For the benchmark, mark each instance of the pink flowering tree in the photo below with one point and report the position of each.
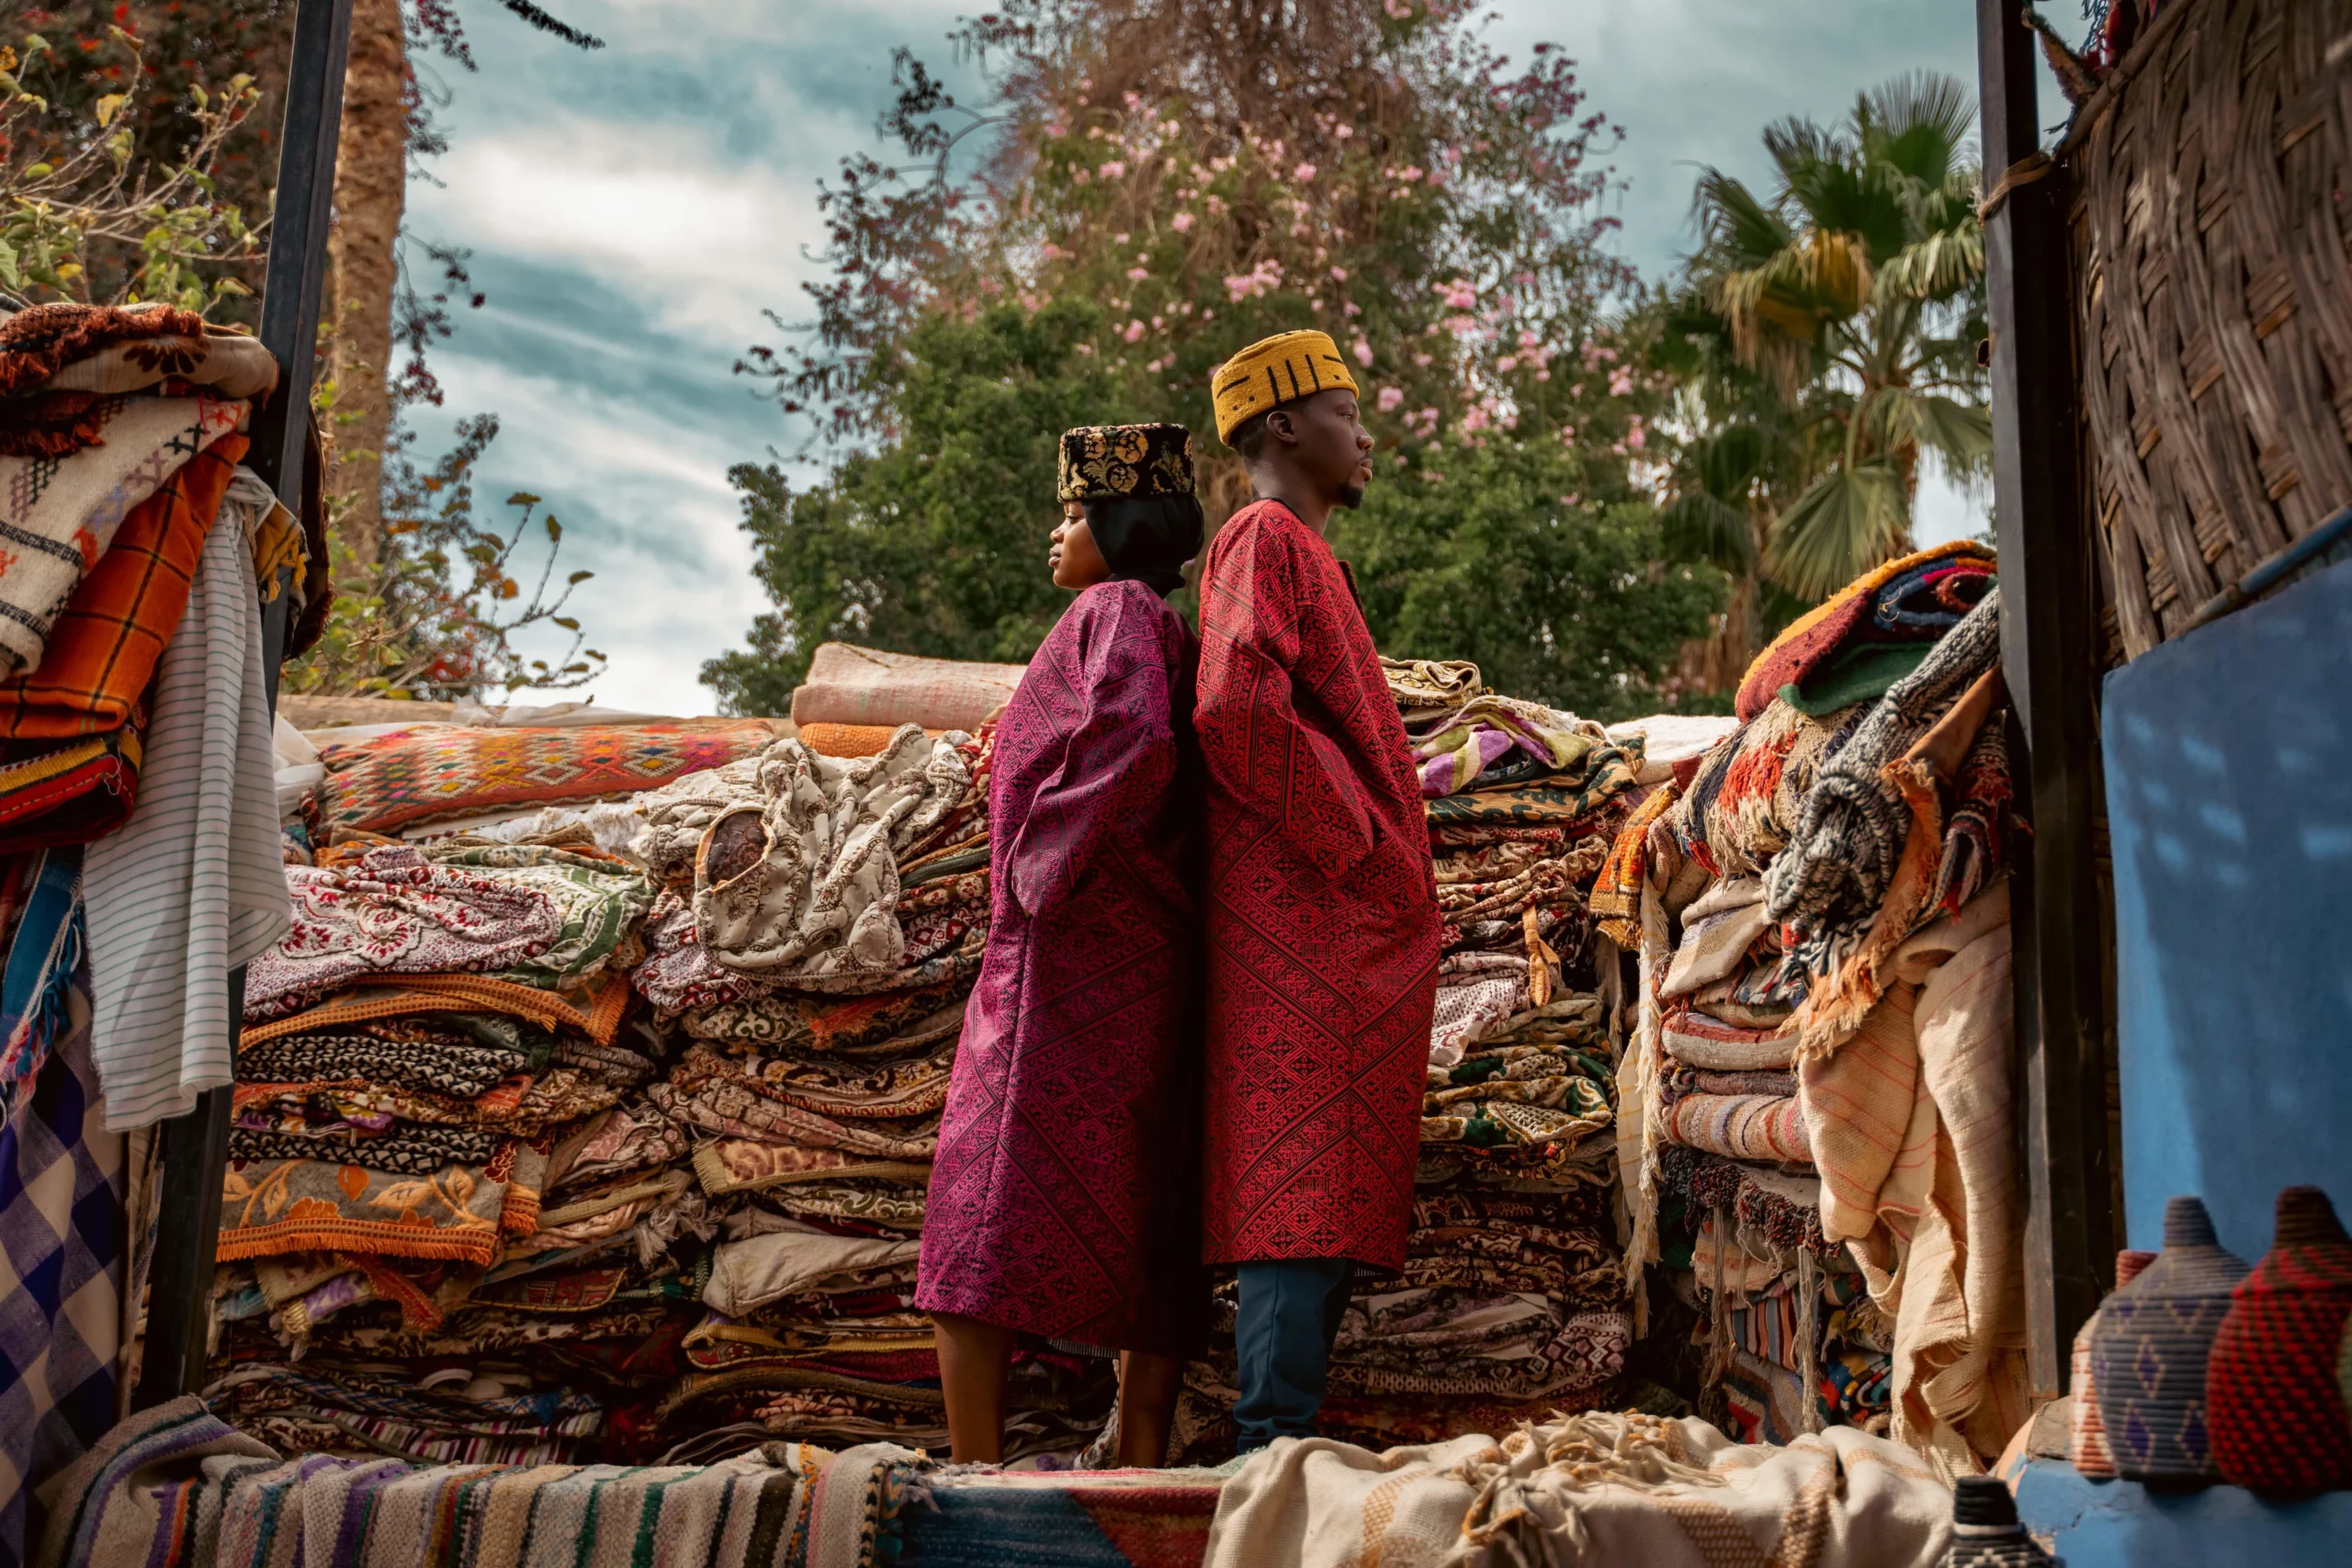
(1171, 181)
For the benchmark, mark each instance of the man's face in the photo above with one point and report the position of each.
(1332, 444)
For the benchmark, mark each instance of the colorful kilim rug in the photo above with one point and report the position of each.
(415, 775)
(1113, 1519)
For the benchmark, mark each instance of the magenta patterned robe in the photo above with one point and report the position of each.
(1064, 1201)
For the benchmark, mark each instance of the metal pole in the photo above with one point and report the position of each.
(194, 1147)
(2049, 654)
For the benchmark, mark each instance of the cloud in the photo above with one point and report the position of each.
(632, 211)
(702, 247)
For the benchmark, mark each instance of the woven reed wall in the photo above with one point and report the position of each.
(2214, 301)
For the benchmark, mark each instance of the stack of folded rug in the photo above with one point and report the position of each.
(1814, 1067)
(592, 1123)
(138, 554)
(1509, 1301)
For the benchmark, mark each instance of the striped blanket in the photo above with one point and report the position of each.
(172, 1487)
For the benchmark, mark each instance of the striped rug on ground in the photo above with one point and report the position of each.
(174, 1487)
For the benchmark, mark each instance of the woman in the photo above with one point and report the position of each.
(1063, 1202)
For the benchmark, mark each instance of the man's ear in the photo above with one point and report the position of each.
(1280, 426)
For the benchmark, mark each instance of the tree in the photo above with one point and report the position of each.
(87, 215)
(1200, 175)
(1826, 336)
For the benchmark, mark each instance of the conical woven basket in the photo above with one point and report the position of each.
(2086, 1433)
(2278, 1411)
(2149, 1352)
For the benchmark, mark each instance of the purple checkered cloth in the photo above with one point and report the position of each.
(61, 1251)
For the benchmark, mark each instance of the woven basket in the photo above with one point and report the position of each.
(2213, 300)
(2149, 1351)
(2280, 1419)
(2086, 1433)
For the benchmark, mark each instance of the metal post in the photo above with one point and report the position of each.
(2049, 653)
(194, 1147)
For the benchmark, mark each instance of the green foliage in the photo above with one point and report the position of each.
(1165, 183)
(1825, 338)
(1555, 595)
(85, 216)
(437, 616)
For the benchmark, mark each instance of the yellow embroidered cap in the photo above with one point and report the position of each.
(1278, 369)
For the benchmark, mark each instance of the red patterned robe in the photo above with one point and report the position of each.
(1064, 1199)
(1322, 910)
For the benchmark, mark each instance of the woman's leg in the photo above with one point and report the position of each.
(1149, 1383)
(973, 1358)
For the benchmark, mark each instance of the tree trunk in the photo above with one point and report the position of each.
(1716, 663)
(370, 188)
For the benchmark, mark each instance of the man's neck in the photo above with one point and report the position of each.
(1311, 509)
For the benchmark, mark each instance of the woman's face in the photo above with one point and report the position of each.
(1076, 563)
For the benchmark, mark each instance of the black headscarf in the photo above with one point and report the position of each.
(1147, 538)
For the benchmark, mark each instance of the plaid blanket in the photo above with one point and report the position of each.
(104, 643)
(62, 1242)
(58, 515)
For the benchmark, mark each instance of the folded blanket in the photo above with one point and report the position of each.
(1625, 1488)
(1697, 1040)
(1825, 886)
(127, 348)
(848, 685)
(84, 655)
(1472, 1006)
(60, 514)
(1768, 1129)
(1737, 1083)
(1471, 738)
(1861, 672)
(1745, 796)
(1616, 896)
(718, 1098)
(54, 793)
(594, 1008)
(1428, 689)
(397, 913)
(272, 1206)
(442, 771)
(1609, 772)
(1718, 929)
(1779, 1206)
(597, 898)
(1812, 636)
(452, 1066)
(412, 1151)
(892, 1088)
(175, 1487)
(748, 1275)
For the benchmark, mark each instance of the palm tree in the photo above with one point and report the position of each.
(1831, 331)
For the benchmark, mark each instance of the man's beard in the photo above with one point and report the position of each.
(1352, 497)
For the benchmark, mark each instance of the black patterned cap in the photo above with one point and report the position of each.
(1101, 461)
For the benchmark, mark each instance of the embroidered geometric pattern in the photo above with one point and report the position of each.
(1061, 1199)
(1322, 918)
(383, 786)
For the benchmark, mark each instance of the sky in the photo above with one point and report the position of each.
(631, 212)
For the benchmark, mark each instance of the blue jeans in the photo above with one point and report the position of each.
(1290, 1312)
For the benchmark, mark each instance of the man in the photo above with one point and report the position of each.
(1322, 921)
